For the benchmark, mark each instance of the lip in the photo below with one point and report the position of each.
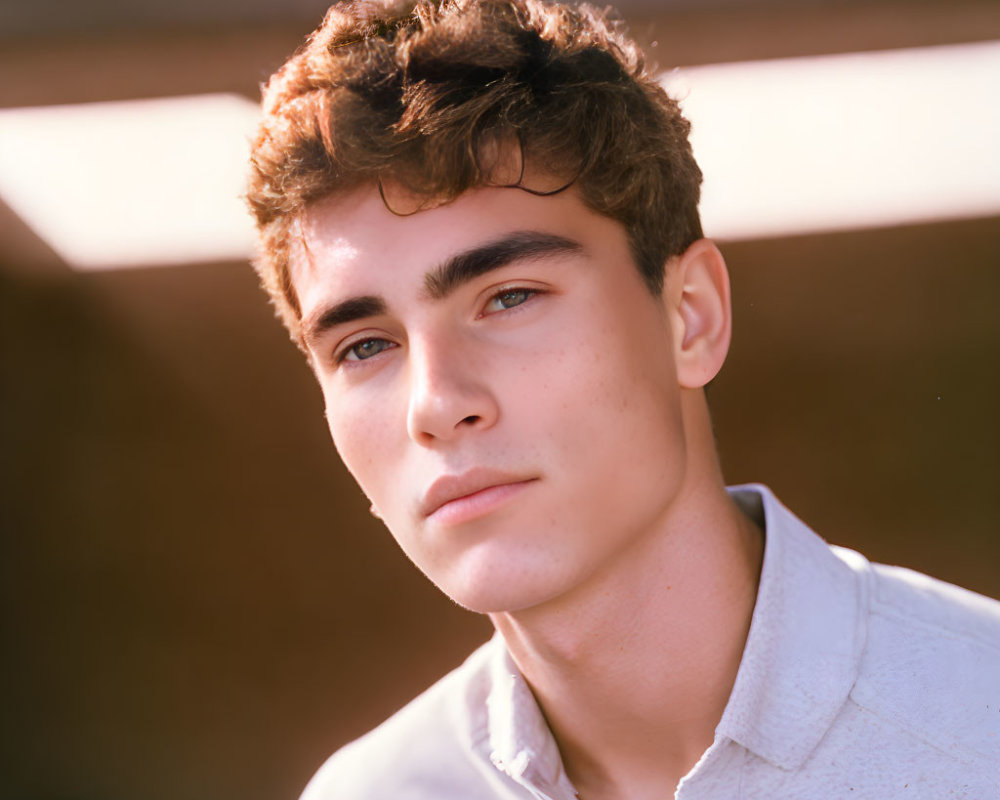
(456, 498)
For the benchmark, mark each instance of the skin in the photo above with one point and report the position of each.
(535, 437)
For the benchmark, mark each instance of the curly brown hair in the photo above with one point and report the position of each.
(415, 94)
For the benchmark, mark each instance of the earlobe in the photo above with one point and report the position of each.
(698, 290)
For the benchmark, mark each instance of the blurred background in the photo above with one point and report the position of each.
(195, 601)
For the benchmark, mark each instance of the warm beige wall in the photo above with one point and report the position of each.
(196, 602)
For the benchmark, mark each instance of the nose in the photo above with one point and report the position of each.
(449, 395)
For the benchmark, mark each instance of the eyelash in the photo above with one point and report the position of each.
(343, 355)
(509, 290)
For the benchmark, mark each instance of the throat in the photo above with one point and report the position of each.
(633, 682)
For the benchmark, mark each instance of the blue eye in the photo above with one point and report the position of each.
(365, 349)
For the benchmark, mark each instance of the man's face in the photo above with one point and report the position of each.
(500, 382)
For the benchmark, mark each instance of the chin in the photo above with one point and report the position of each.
(495, 591)
(490, 603)
(485, 596)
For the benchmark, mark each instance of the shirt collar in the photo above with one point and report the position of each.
(521, 744)
(799, 664)
(807, 634)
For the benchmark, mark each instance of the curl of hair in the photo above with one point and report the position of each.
(415, 93)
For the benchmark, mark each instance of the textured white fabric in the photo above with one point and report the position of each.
(857, 681)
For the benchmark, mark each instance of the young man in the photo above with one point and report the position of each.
(479, 221)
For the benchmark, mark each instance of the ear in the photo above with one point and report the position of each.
(697, 290)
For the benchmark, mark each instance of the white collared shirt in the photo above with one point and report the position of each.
(857, 681)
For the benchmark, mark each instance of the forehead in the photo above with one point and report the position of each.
(352, 244)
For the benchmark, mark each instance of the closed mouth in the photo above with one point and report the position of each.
(475, 486)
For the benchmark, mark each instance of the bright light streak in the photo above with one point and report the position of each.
(128, 184)
(847, 141)
(787, 146)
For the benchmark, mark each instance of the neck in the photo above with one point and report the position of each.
(634, 669)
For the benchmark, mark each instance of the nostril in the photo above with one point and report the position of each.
(470, 420)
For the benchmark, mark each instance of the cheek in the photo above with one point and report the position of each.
(360, 439)
(624, 410)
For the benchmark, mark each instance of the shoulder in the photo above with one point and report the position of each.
(402, 757)
(931, 663)
(913, 599)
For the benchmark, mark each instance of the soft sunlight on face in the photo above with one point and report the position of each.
(516, 421)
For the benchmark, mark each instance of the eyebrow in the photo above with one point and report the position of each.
(470, 264)
(347, 311)
(445, 278)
